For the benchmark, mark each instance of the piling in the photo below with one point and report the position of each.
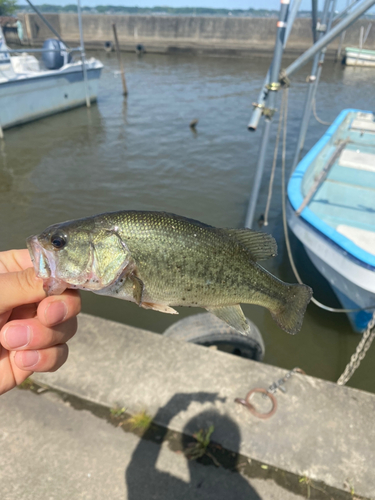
(125, 89)
(259, 104)
(272, 88)
(314, 18)
(83, 55)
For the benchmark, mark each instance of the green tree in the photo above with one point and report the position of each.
(7, 7)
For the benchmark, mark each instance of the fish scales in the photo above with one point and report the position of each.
(161, 260)
(182, 262)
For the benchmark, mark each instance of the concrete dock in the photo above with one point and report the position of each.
(50, 450)
(321, 438)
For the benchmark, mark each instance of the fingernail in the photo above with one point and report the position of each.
(56, 312)
(17, 336)
(29, 358)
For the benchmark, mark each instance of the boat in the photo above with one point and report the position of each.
(359, 57)
(331, 210)
(31, 89)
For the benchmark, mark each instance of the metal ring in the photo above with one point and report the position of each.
(252, 408)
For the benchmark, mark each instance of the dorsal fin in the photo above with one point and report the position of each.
(261, 246)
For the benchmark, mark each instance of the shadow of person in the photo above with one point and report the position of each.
(146, 481)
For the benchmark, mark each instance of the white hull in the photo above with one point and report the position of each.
(357, 61)
(32, 97)
(347, 276)
(360, 59)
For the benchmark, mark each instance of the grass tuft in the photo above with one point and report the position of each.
(140, 421)
(27, 384)
(200, 448)
(117, 411)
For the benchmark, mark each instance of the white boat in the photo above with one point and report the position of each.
(28, 90)
(332, 210)
(359, 57)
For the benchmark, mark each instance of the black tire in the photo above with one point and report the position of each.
(208, 330)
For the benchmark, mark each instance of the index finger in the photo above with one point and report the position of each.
(19, 288)
(15, 260)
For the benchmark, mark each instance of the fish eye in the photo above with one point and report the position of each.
(58, 241)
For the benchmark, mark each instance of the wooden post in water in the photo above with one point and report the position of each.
(83, 55)
(125, 89)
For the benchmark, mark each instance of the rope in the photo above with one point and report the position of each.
(272, 177)
(285, 225)
(316, 116)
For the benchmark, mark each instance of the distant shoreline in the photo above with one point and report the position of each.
(166, 34)
(162, 10)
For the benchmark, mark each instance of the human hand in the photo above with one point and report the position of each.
(34, 328)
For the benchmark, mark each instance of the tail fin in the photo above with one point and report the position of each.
(290, 316)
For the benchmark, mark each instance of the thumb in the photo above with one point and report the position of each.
(20, 288)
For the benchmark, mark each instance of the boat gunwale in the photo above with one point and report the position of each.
(62, 72)
(295, 197)
(359, 51)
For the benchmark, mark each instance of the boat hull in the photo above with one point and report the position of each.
(359, 57)
(27, 99)
(352, 282)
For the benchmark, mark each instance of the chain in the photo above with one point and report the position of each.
(279, 384)
(364, 345)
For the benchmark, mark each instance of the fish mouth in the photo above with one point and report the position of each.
(43, 263)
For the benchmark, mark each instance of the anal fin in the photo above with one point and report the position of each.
(158, 307)
(233, 315)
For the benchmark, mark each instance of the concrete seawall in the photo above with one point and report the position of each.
(319, 432)
(168, 34)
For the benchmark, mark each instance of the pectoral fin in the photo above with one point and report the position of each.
(159, 307)
(232, 315)
(137, 289)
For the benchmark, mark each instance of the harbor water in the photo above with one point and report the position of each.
(140, 153)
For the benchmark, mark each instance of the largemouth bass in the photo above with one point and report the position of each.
(160, 261)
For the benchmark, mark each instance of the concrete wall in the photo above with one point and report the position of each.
(229, 35)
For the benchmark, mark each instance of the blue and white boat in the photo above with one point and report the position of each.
(31, 89)
(331, 210)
